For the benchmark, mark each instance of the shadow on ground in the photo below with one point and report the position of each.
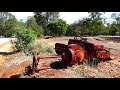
(8, 53)
(108, 59)
(59, 65)
(15, 76)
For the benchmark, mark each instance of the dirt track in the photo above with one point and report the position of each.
(108, 69)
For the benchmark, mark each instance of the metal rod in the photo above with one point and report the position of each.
(46, 57)
(42, 68)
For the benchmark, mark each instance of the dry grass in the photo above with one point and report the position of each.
(85, 71)
(42, 47)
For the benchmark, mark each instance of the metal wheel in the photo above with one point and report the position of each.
(68, 57)
(72, 56)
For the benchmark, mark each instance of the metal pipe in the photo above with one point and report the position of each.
(46, 57)
(42, 68)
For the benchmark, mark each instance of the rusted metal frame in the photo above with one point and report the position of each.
(36, 61)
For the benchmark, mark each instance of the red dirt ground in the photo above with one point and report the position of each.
(109, 68)
(13, 70)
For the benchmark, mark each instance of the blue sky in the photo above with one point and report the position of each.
(69, 17)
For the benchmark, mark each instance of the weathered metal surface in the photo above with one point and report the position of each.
(91, 50)
(103, 54)
(60, 48)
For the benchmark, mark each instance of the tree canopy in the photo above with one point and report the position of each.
(58, 27)
(49, 23)
(44, 18)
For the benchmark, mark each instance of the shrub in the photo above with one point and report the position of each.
(118, 33)
(25, 39)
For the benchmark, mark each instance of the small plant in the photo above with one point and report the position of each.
(25, 39)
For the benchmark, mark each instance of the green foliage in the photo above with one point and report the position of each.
(7, 24)
(58, 27)
(73, 29)
(11, 24)
(117, 33)
(70, 30)
(115, 26)
(44, 18)
(25, 39)
(48, 23)
(96, 22)
(31, 23)
(88, 26)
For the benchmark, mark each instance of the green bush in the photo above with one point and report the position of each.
(25, 39)
(118, 33)
(58, 27)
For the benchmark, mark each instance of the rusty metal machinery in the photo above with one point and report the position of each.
(93, 52)
(75, 52)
